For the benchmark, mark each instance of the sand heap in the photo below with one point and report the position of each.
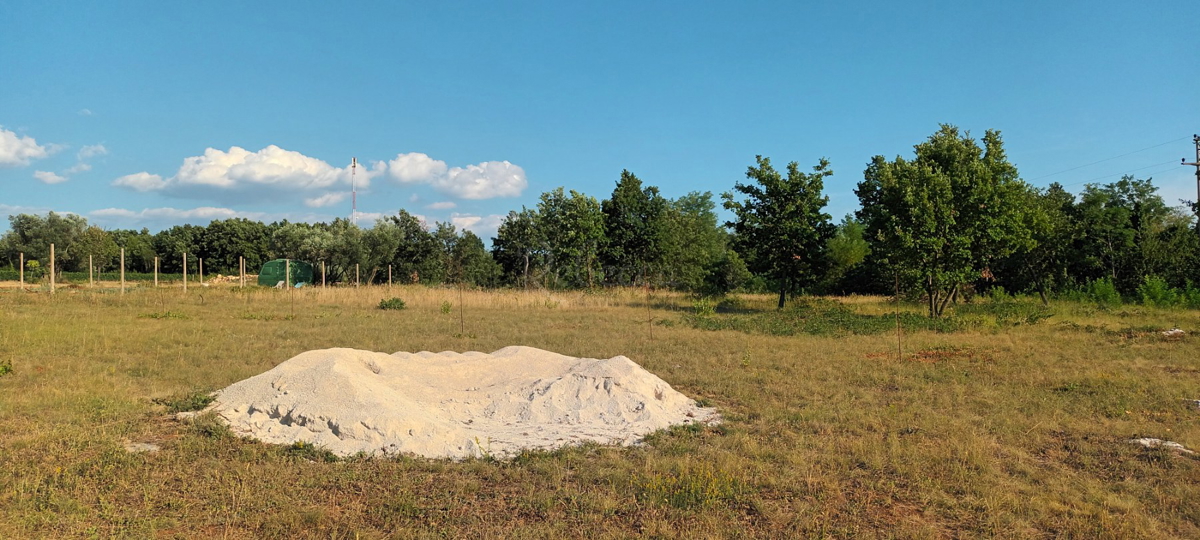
(452, 405)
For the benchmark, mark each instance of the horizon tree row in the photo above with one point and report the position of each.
(955, 219)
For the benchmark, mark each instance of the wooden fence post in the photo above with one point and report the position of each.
(322, 274)
(52, 269)
(356, 275)
(185, 271)
(122, 270)
(201, 271)
(91, 279)
(389, 276)
(156, 272)
(242, 271)
(22, 271)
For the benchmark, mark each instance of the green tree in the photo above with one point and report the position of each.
(139, 248)
(633, 228)
(780, 227)
(518, 246)
(573, 227)
(416, 258)
(224, 241)
(32, 235)
(847, 248)
(172, 243)
(945, 217)
(695, 251)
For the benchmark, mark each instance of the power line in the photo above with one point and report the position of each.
(1108, 159)
(1172, 163)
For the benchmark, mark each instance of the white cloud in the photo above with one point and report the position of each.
(368, 219)
(90, 151)
(414, 198)
(85, 112)
(482, 181)
(78, 168)
(142, 181)
(18, 151)
(443, 205)
(328, 199)
(241, 175)
(204, 213)
(47, 177)
(416, 168)
(483, 226)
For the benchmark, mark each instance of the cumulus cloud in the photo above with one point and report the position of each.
(142, 181)
(328, 199)
(90, 151)
(19, 151)
(241, 175)
(416, 168)
(47, 177)
(204, 213)
(443, 205)
(483, 226)
(481, 181)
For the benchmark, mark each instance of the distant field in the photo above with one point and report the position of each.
(1006, 420)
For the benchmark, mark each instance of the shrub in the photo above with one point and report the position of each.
(5, 367)
(1104, 293)
(392, 303)
(705, 307)
(1154, 291)
(1190, 296)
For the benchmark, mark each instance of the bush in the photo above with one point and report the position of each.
(705, 307)
(1104, 293)
(392, 303)
(1190, 297)
(1154, 291)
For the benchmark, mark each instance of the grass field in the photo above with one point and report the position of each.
(1006, 421)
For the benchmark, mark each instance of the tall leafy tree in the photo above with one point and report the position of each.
(780, 227)
(573, 227)
(945, 217)
(32, 235)
(694, 245)
(417, 256)
(518, 246)
(633, 228)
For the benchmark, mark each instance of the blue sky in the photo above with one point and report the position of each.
(154, 113)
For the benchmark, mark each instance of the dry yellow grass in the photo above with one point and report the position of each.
(991, 431)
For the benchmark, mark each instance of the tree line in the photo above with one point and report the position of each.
(953, 219)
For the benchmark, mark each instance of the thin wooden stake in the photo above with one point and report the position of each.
(242, 271)
(899, 349)
(389, 276)
(322, 274)
(52, 269)
(122, 270)
(462, 318)
(185, 272)
(156, 272)
(356, 275)
(91, 267)
(22, 271)
(201, 272)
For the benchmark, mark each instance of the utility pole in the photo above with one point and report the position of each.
(1196, 164)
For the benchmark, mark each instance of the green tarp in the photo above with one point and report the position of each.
(273, 272)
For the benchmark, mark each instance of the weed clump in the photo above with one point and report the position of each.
(392, 303)
(193, 400)
(689, 488)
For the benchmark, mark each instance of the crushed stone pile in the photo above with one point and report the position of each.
(452, 405)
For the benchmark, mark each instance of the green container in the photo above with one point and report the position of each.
(273, 273)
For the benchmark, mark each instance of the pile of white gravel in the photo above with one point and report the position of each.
(452, 405)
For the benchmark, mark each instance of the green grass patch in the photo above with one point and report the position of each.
(392, 303)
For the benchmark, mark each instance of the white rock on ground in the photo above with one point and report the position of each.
(1150, 442)
(452, 405)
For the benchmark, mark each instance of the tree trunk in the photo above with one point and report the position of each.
(946, 299)
(783, 290)
(526, 278)
(932, 293)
